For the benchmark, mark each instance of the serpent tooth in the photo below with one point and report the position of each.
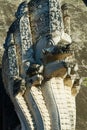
(23, 106)
(36, 92)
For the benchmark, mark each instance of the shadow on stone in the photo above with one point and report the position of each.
(8, 117)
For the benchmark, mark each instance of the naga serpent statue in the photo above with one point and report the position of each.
(39, 68)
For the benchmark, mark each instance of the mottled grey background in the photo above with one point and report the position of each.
(78, 13)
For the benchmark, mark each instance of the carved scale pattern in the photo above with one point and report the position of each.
(60, 97)
(55, 16)
(18, 101)
(26, 42)
(26, 112)
(42, 106)
(64, 101)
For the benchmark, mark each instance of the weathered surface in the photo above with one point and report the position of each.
(19, 39)
(79, 39)
(78, 11)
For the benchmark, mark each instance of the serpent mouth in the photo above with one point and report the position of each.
(54, 50)
(54, 53)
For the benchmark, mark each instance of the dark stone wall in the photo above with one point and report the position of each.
(8, 117)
